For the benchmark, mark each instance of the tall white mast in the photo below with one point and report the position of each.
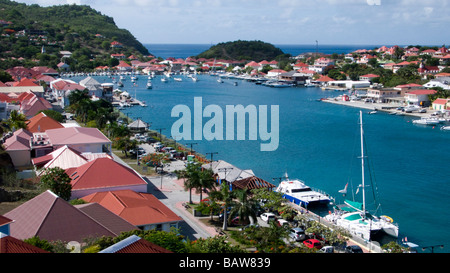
(362, 164)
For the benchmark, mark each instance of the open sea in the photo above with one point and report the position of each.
(319, 143)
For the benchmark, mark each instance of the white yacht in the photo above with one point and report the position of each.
(426, 121)
(299, 193)
(355, 218)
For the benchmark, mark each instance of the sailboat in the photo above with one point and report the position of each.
(355, 218)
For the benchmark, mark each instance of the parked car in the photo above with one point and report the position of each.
(313, 243)
(297, 234)
(268, 216)
(423, 110)
(353, 249)
(282, 222)
(327, 249)
(249, 226)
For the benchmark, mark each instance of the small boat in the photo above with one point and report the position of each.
(149, 85)
(373, 112)
(297, 192)
(178, 79)
(445, 128)
(164, 79)
(120, 84)
(426, 121)
(219, 81)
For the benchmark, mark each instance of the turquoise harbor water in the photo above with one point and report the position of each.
(319, 143)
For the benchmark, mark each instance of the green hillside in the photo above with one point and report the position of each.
(243, 50)
(26, 28)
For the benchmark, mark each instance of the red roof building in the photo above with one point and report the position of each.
(10, 244)
(141, 209)
(104, 174)
(82, 139)
(41, 123)
(53, 219)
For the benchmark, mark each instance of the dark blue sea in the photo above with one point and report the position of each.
(187, 50)
(319, 143)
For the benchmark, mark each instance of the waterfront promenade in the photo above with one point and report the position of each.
(170, 191)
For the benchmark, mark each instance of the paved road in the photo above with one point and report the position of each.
(170, 191)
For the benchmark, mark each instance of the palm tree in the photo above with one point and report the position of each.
(199, 179)
(187, 186)
(193, 179)
(17, 120)
(206, 181)
(226, 196)
(244, 206)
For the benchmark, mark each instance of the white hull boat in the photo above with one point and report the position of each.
(426, 121)
(355, 218)
(297, 192)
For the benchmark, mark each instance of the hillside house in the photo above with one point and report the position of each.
(102, 175)
(141, 209)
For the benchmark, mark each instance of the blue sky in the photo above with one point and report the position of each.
(361, 22)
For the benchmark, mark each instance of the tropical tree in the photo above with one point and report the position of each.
(206, 181)
(244, 207)
(58, 181)
(226, 196)
(198, 179)
(125, 144)
(16, 120)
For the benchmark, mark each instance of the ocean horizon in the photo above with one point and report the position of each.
(166, 50)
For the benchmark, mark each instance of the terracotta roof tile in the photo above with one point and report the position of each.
(104, 173)
(137, 208)
(10, 244)
(42, 123)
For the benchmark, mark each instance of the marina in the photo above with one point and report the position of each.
(316, 144)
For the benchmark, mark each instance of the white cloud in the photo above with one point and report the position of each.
(275, 21)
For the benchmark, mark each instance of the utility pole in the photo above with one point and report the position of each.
(191, 145)
(160, 135)
(214, 153)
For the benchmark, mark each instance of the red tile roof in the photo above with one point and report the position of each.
(137, 208)
(441, 101)
(108, 219)
(422, 92)
(103, 173)
(41, 123)
(52, 218)
(4, 220)
(19, 141)
(76, 135)
(10, 244)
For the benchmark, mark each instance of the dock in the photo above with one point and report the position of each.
(383, 107)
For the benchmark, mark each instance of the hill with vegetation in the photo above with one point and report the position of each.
(243, 50)
(27, 29)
